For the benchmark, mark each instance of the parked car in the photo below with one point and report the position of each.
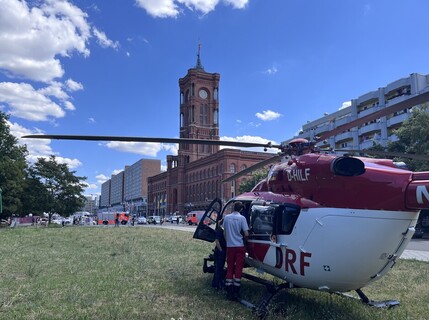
(57, 221)
(173, 219)
(141, 220)
(44, 222)
(154, 220)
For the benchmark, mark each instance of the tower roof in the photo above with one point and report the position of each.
(199, 65)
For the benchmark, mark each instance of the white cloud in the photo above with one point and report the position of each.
(104, 41)
(71, 163)
(142, 148)
(268, 115)
(32, 37)
(159, 8)
(116, 171)
(345, 105)
(253, 139)
(73, 85)
(238, 4)
(91, 186)
(203, 6)
(69, 106)
(91, 120)
(39, 148)
(27, 103)
(254, 124)
(101, 178)
(271, 71)
(172, 8)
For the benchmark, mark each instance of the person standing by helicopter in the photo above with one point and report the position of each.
(236, 233)
(218, 281)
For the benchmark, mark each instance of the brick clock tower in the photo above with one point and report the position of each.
(199, 112)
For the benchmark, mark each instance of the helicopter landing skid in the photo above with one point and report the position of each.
(377, 304)
(261, 310)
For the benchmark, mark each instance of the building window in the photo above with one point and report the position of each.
(215, 117)
(232, 168)
(192, 115)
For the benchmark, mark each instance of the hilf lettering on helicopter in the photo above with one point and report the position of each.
(319, 220)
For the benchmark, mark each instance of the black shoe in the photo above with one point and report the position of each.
(230, 293)
(236, 292)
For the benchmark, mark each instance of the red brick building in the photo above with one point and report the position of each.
(193, 177)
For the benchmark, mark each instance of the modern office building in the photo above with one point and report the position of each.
(127, 190)
(105, 194)
(135, 184)
(378, 131)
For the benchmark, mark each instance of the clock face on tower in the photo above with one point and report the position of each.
(203, 94)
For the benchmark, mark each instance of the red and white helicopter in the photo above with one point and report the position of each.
(328, 222)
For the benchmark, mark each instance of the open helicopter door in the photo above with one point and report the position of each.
(207, 225)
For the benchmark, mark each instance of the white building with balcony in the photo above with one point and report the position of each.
(379, 131)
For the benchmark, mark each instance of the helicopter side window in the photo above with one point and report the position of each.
(261, 220)
(286, 218)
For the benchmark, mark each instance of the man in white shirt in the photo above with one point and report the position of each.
(236, 233)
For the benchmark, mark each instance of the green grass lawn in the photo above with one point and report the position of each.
(155, 273)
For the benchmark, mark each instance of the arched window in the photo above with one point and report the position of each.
(232, 168)
(192, 114)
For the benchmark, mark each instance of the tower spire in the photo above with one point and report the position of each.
(199, 65)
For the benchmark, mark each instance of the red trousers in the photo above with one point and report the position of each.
(235, 260)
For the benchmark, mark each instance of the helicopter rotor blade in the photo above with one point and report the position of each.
(254, 168)
(388, 154)
(392, 108)
(153, 139)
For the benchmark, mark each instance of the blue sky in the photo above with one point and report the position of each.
(112, 67)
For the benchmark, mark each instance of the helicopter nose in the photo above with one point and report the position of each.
(417, 193)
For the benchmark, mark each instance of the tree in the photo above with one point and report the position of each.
(12, 169)
(60, 190)
(413, 138)
(248, 184)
